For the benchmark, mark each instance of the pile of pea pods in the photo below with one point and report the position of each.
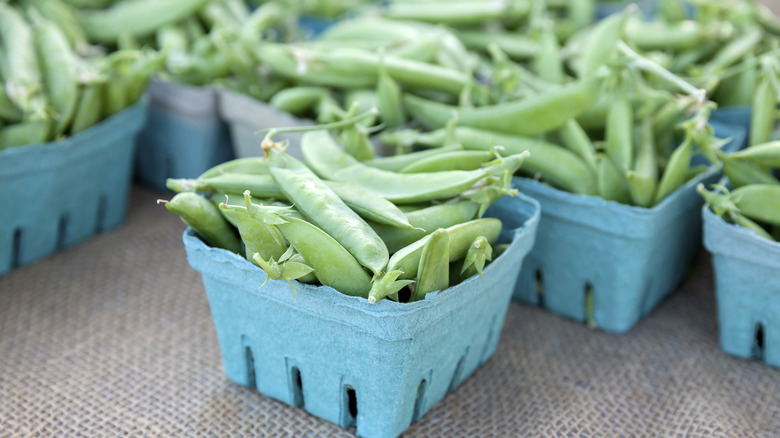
(56, 84)
(387, 228)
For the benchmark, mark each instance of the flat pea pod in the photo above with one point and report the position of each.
(557, 165)
(601, 43)
(676, 170)
(742, 172)
(258, 237)
(620, 122)
(370, 206)
(760, 202)
(89, 108)
(333, 265)
(204, 217)
(611, 182)
(534, 115)
(407, 259)
(766, 154)
(454, 160)
(326, 210)
(297, 100)
(424, 221)
(764, 106)
(433, 272)
(59, 66)
(24, 133)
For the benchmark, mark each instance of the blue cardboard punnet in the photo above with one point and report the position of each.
(747, 288)
(184, 135)
(57, 194)
(606, 8)
(626, 258)
(738, 116)
(374, 366)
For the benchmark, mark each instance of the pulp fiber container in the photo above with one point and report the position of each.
(377, 367)
(606, 8)
(184, 135)
(246, 115)
(738, 116)
(609, 263)
(57, 194)
(747, 289)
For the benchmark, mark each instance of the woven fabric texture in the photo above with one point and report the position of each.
(113, 337)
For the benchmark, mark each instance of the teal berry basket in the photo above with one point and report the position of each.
(376, 367)
(738, 116)
(80, 187)
(184, 135)
(747, 289)
(610, 264)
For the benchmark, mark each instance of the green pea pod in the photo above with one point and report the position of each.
(139, 73)
(64, 16)
(205, 218)
(547, 63)
(423, 49)
(433, 271)
(357, 143)
(619, 138)
(582, 12)
(611, 182)
(453, 160)
(641, 188)
(407, 259)
(480, 252)
(601, 43)
(333, 265)
(759, 202)
(248, 165)
(297, 100)
(386, 285)
(762, 120)
(766, 154)
(258, 237)
(742, 172)
(516, 46)
(388, 93)
(676, 170)
(59, 66)
(752, 226)
(397, 162)
(89, 109)
(575, 139)
(319, 203)
(672, 11)
(534, 115)
(24, 133)
(370, 206)
(739, 89)
(425, 221)
(8, 110)
(734, 50)
(455, 14)
(262, 186)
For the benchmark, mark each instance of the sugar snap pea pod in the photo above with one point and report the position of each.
(64, 16)
(454, 14)
(582, 12)
(262, 186)
(433, 272)
(658, 35)
(139, 73)
(619, 135)
(397, 162)
(370, 206)
(356, 143)
(752, 226)
(461, 236)
(205, 218)
(370, 28)
(258, 237)
(676, 169)
(547, 62)
(758, 202)
(90, 107)
(59, 67)
(574, 138)
(557, 165)
(672, 11)
(425, 221)
(734, 50)
(390, 107)
(610, 180)
(323, 155)
(767, 154)
(601, 43)
(518, 47)
(764, 105)
(8, 110)
(333, 265)
(137, 18)
(24, 133)
(455, 160)
(249, 165)
(480, 252)
(642, 180)
(641, 188)
(322, 205)
(740, 88)
(531, 116)
(297, 100)
(20, 64)
(742, 172)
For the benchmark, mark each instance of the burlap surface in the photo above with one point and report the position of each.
(114, 338)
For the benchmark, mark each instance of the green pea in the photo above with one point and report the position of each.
(89, 109)
(676, 170)
(297, 100)
(433, 271)
(205, 218)
(357, 143)
(601, 43)
(388, 93)
(762, 120)
(397, 162)
(743, 173)
(370, 206)
(574, 138)
(611, 182)
(24, 133)
(759, 202)
(454, 160)
(767, 154)
(620, 120)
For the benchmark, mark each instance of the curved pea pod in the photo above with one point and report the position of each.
(297, 100)
(601, 43)
(766, 154)
(59, 66)
(262, 186)
(24, 133)
(461, 236)
(396, 163)
(433, 272)
(323, 206)
(425, 221)
(453, 160)
(333, 265)
(479, 253)
(764, 106)
(390, 106)
(743, 173)
(258, 237)
(620, 122)
(556, 165)
(676, 170)
(370, 206)
(204, 217)
(641, 188)
(611, 182)
(247, 165)
(759, 202)
(90, 107)
(574, 138)
(534, 115)
(357, 143)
